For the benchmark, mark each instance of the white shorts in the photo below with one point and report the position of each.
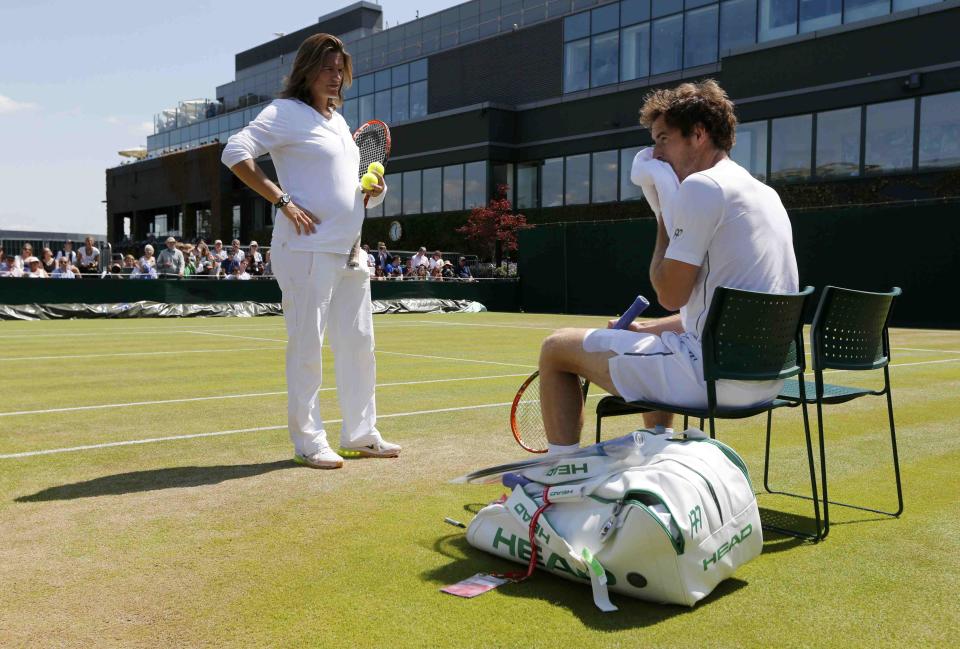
(669, 369)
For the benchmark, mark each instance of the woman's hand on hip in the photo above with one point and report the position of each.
(302, 220)
(377, 189)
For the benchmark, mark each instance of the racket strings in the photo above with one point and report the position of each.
(528, 418)
(372, 142)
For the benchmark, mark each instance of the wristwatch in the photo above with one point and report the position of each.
(282, 201)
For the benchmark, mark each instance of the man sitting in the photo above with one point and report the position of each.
(727, 229)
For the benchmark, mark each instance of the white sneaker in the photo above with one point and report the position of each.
(325, 458)
(380, 448)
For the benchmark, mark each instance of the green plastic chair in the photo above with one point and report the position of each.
(748, 336)
(849, 332)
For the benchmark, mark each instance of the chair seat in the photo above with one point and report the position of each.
(831, 393)
(614, 406)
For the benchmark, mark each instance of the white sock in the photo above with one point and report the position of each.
(562, 449)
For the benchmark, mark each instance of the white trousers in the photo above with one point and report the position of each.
(320, 293)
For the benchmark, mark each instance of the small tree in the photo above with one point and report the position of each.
(495, 226)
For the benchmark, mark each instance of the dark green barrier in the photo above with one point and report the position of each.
(597, 268)
(496, 295)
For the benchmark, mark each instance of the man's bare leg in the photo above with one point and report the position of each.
(562, 361)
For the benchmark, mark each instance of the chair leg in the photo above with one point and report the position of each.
(599, 418)
(686, 422)
(701, 423)
(766, 454)
(713, 433)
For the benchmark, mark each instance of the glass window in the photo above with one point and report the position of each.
(366, 108)
(664, 7)
(502, 174)
(818, 14)
(940, 130)
(900, 5)
(351, 113)
(557, 7)
(365, 84)
(605, 18)
(382, 80)
(583, 4)
(527, 185)
(604, 59)
(576, 65)
(236, 121)
(700, 40)
(635, 52)
(634, 11)
(411, 192)
(790, 153)
(392, 202)
(475, 184)
(418, 70)
(889, 136)
(575, 27)
(432, 189)
(418, 99)
(604, 186)
(750, 150)
(453, 188)
(400, 101)
(838, 143)
(551, 183)
(667, 38)
(778, 18)
(400, 75)
(534, 11)
(577, 179)
(628, 191)
(382, 106)
(854, 10)
(693, 4)
(374, 212)
(738, 24)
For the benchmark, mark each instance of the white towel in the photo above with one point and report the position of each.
(658, 182)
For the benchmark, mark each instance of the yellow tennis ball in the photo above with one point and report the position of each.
(375, 167)
(369, 181)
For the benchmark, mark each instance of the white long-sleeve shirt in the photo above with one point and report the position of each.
(317, 163)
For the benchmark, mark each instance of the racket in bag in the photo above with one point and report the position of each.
(663, 518)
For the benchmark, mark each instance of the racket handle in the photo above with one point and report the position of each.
(512, 480)
(353, 261)
(639, 306)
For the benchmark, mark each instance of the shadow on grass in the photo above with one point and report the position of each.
(466, 560)
(172, 478)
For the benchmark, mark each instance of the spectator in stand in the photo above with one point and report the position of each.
(463, 271)
(238, 270)
(35, 268)
(190, 267)
(47, 261)
(218, 252)
(394, 269)
(378, 274)
(436, 273)
(421, 272)
(144, 269)
(147, 258)
(63, 270)
(170, 262)
(88, 257)
(9, 267)
(447, 271)
(68, 252)
(114, 272)
(420, 259)
(436, 260)
(254, 259)
(383, 257)
(205, 260)
(26, 251)
(371, 260)
(236, 253)
(267, 265)
(129, 264)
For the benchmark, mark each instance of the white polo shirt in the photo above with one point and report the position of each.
(317, 163)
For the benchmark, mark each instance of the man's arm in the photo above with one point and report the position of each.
(672, 280)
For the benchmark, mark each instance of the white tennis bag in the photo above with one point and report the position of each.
(663, 518)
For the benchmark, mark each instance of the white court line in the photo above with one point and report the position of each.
(131, 404)
(166, 353)
(494, 326)
(381, 351)
(915, 349)
(892, 365)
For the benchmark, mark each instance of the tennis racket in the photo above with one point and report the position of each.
(526, 420)
(373, 140)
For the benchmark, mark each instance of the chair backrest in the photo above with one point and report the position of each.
(751, 336)
(850, 329)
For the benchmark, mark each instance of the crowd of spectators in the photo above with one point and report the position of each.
(178, 259)
(384, 265)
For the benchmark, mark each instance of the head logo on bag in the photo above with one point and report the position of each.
(568, 469)
(726, 547)
(696, 522)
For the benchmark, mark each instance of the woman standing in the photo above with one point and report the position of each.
(321, 199)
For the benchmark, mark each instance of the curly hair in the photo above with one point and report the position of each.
(689, 104)
(308, 62)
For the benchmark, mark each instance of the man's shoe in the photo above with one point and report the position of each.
(325, 458)
(377, 449)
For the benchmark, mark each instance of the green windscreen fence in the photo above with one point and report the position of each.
(599, 267)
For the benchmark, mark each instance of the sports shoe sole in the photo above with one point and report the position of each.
(362, 452)
(299, 459)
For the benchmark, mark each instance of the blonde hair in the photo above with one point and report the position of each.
(307, 64)
(689, 104)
